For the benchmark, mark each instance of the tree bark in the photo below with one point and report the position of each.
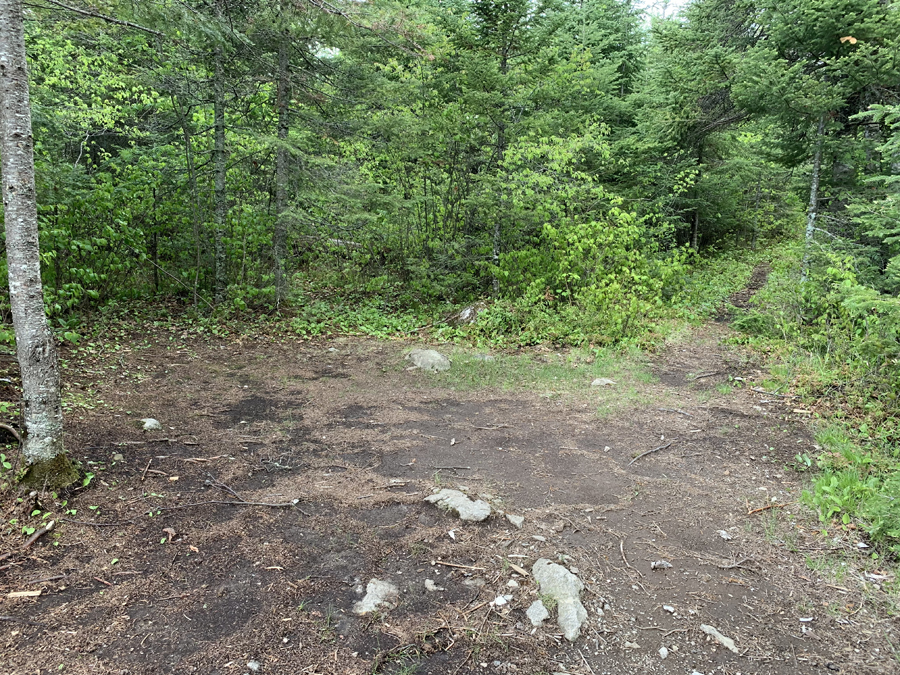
(281, 170)
(813, 209)
(219, 197)
(35, 345)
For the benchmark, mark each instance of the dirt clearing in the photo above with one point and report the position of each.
(240, 536)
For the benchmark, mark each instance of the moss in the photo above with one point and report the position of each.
(55, 473)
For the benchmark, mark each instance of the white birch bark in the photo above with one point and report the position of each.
(813, 210)
(35, 345)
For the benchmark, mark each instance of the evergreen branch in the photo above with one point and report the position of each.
(97, 15)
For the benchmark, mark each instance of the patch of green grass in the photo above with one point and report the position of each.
(552, 374)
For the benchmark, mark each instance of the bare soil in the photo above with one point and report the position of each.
(187, 552)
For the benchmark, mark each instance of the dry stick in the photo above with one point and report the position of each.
(146, 469)
(452, 468)
(230, 503)
(585, 662)
(88, 522)
(12, 431)
(45, 579)
(625, 560)
(675, 410)
(770, 506)
(644, 454)
(465, 567)
(700, 377)
(37, 535)
(772, 393)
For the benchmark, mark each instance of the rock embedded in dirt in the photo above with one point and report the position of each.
(459, 503)
(602, 382)
(561, 585)
(118, 457)
(428, 359)
(254, 666)
(431, 586)
(537, 613)
(726, 642)
(663, 652)
(150, 424)
(379, 595)
(661, 565)
(516, 521)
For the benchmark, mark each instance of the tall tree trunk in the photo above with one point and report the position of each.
(43, 448)
(195, 196)
(813, 209)
(281, 169)
(221, 206)
(695, 230)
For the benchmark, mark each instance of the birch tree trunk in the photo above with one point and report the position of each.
(35, 346)
(813, 210)
(281, 169)
(221, 206)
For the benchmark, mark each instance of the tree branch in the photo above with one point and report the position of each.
(96, 15)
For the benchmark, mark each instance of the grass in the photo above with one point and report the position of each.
(567, 373)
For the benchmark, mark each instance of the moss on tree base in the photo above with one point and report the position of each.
(55, 473)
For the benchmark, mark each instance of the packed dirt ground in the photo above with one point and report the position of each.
(287, 474)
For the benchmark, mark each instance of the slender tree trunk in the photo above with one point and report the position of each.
(813, 210)
(756, 220)
(695, 230)
(221, 207)
(281, 170)
(43, 448)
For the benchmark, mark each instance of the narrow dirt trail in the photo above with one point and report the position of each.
(360, 440)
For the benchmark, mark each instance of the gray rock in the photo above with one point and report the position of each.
(663, 652)
(428, 359)
(537, 613)
(602, 382)
(467, 315)
(726, 642)
(253, 665)
(516, 521)
(465, 508)
(660, 565)
(560, 584)
(379, 595)
(433, 587)
(150, 424)
(118, 457)
(484, 357)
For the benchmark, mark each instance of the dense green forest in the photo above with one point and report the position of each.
(589, 172)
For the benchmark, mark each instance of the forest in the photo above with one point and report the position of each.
(578, 172)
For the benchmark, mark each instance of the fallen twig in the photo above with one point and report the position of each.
(649, 452)
(675, 410)
(452, 468)
(45, 579)
(88, 522)
(492, 427)
(102, 581)
(700, 377)
(465, 567)
(37, 535)
(146, 469)
(12, 431)
(224, 501)
(625, 560)
(18, 620)
(770, 506)
(772, 393)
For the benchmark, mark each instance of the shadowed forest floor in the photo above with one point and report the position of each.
(155, 567)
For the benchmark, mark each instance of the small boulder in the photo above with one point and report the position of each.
(516, 521)
(537, 613)
(460, 504)
(150, 424)
(428, 359)
(379, 595)
(602, 382)
(561, 585)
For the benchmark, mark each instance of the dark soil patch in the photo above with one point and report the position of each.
(358, 442)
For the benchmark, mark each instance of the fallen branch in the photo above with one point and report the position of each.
(37, 535)
(700, 377)
(146, 469)
(650, 452)
(453, 468)
(625, 560)
(770, 506)
(464, 567)
(11, 430)
(222, 501)
(675, 410)
(772, 393)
